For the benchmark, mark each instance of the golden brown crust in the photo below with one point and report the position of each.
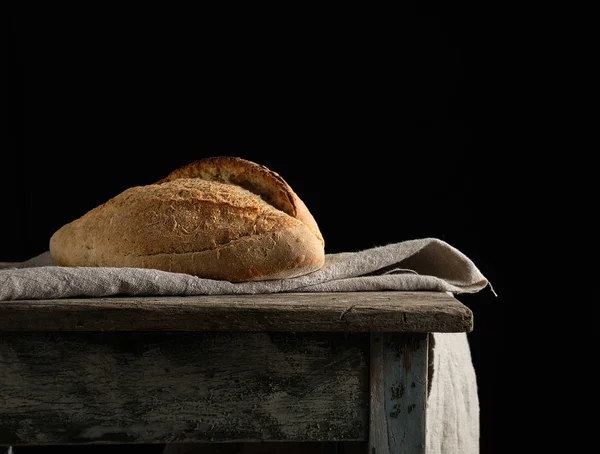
(190, 225)
(256, 178)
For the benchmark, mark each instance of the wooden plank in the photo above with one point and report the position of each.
(81, 388)
(398, 393)
(289, 447)
(290, 312)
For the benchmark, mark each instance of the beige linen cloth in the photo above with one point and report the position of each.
(427, 264)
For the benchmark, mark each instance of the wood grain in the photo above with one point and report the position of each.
(398, 393)
(81, 388)
(289, 312)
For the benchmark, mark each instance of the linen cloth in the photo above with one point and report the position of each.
(421, 264)
(426, 264)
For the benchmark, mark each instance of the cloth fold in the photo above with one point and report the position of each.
(421, 264)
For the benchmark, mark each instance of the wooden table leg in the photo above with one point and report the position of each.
(398, 393)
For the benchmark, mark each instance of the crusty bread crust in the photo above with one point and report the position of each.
(256, 178)
(205, 228)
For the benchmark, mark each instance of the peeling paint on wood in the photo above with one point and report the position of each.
(398, 384)
(182, 387)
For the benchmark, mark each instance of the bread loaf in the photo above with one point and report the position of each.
(219, 218)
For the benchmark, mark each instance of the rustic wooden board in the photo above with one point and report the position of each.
(288, 447)
(118, 387)
(398, 393)
(290, 312)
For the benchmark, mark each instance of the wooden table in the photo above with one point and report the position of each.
(280, 367)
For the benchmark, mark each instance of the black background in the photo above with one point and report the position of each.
(390, 125)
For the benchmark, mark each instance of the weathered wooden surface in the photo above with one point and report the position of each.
(398, 384)
(288, 447)
(290, 312)
(82, 388)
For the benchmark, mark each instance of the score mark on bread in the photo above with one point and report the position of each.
(221, 218)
